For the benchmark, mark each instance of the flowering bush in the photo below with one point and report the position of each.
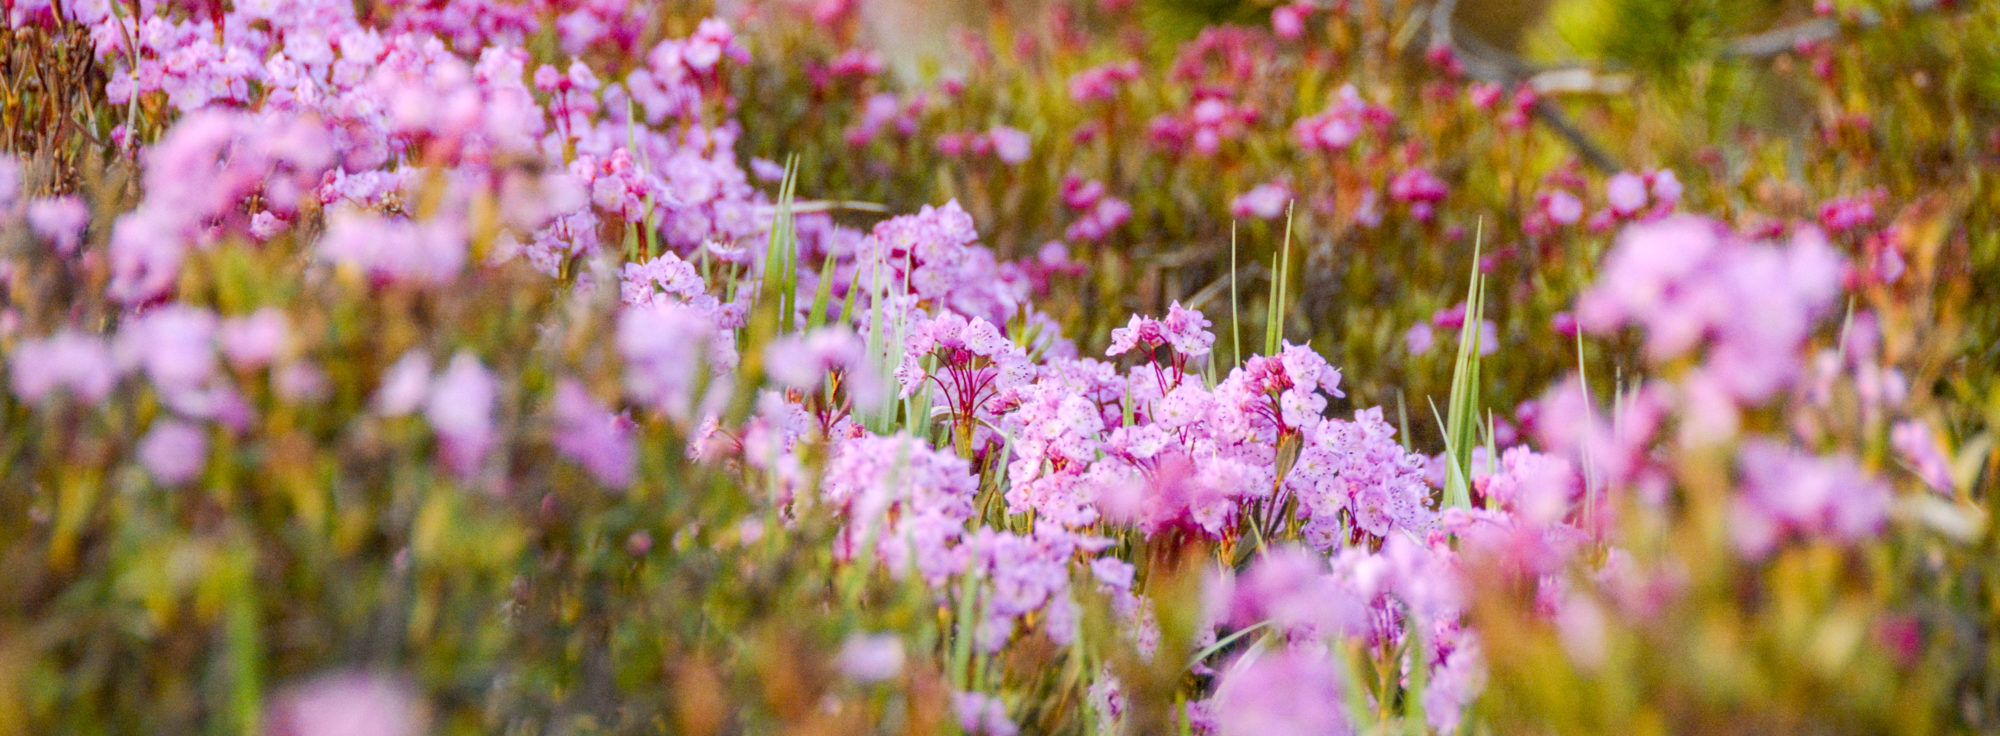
(401, 368)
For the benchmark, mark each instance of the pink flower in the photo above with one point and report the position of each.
(665, 349)
(1285, 691)
(1921, 449)
(460, 410)
(1626, 191)
(174, 452)
(1417, 185)
(911, 501)
(300, 382)
(1421, 190)
(393, 249)
(1010, 145)
(870, 658)
(981, 714)
(1536, 488)
(805, 361)
(1185, 330)
(75, 362)
(1562, 207)
(10, 186)
(767, 170)
(1688, 281)
(1292, 589)
(175, 345)
(1103, 218)
(61, 220)
(1289, 21)
(1342, 123)
(266, 225)
(1265, 201)
(1846, 213)
(1102, 82)
(1666, 187)
(404, 385)
(1485, 95)
(591, 436)
(351, 704)
(251, 342)
(1790, 494)
(1419, 339)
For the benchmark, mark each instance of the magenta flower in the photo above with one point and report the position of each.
(1417, 185)
(1420, 189)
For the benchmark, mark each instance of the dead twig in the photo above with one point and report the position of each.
(1485, 63)
(1784, 40)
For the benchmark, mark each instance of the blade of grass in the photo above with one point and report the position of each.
(1274, 318)
(822, 296)
(1462, 407)
(1235, 318)
(1219, 644)
(780, 280)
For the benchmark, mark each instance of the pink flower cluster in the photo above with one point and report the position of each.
(1099, 213)
(1343, 123)
(1689, 283)
(1101, 83)
(1791, 494)
(934, 257)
